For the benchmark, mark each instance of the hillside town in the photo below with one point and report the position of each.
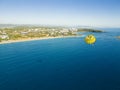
(34, 32)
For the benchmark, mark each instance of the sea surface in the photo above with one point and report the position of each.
(62, 64)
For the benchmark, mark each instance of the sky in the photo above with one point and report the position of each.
(103, 13)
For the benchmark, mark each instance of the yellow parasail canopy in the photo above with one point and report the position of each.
(90, 39)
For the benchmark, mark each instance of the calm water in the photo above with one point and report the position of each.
(62, 64)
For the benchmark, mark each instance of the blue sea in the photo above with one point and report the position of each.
(62, 64)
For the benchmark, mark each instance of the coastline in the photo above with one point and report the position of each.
(32, 39)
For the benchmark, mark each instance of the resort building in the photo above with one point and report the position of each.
(4, 36)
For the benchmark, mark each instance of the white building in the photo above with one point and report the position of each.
(24, 33)
(74, 29)
(64, 30)
(4, 36)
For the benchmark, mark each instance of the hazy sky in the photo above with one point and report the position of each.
(61, 12)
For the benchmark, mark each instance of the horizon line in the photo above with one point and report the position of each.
(67, 25)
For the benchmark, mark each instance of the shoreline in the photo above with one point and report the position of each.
(33, 39)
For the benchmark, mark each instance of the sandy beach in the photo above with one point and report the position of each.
(31, 39)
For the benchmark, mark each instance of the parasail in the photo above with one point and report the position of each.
(90, 39)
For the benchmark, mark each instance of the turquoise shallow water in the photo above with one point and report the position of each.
(62, 64)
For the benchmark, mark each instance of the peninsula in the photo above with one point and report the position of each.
(118, 37)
